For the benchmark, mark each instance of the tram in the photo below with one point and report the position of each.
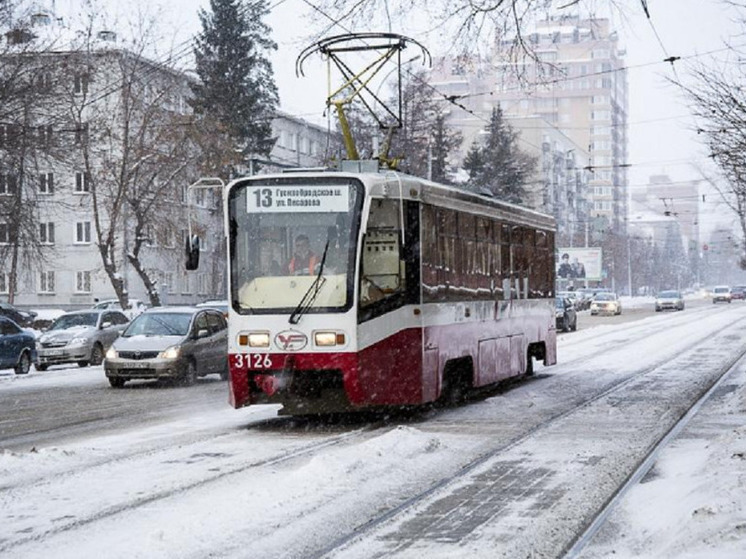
(360, 290)
(365, 288)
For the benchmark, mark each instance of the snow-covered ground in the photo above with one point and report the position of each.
(177, 489)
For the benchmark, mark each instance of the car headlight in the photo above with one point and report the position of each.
(112, 353)
(78, 341)
(170, 353)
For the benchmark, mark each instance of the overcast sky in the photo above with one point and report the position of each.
(661, 129)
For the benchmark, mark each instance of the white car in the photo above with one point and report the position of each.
(721, 293)
(136, 307)
(606, 303)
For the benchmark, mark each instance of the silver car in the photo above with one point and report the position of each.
(669, 300)
(80, 337)
(170, 343)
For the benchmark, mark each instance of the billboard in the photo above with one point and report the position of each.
(583, 263)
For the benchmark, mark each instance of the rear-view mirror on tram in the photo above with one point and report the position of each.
(192, 252)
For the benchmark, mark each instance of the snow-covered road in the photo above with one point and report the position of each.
(518, 472)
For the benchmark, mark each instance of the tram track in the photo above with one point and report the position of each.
(648, 461)
(344, 543)
(640, 333)
(224, 468)
(129, 461)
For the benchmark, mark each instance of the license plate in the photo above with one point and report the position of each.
(52, 352)
(138, 365)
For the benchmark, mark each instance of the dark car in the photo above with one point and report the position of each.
(170, 343)
(738, 292)
(80, 337)
(23, 318)
(17, 348)
(567, 316)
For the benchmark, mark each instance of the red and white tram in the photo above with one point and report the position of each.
(360, 290)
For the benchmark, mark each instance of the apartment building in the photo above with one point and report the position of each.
(101, 134)
(578, 89)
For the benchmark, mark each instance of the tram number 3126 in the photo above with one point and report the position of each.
(253, 361)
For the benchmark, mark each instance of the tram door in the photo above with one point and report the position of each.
(390, 323)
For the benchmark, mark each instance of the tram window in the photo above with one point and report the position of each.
(383, 270)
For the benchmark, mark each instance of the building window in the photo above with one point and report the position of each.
(83, 282)
(4, 283)
(4, 233)
(46, 183)
(166, 237)
(8, 184)
(46, 233)
(44, 135)
(81, 134)
(83, 232)
(80, 85)
(185, 283)
(168, 280)
(44, 82)
(203, 282)
(82, 182)
(46, 282)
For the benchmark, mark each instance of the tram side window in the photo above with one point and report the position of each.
(431, 269)
(383, 272)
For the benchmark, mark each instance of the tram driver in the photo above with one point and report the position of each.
(304, 261)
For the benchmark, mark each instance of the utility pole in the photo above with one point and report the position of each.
(629, 264)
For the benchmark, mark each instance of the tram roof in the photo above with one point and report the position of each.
(385, 184)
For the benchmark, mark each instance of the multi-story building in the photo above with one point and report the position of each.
(100, 136)
(579, 88)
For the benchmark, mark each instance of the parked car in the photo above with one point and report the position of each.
(606, 302)
(738, 292)
(22, 318)
(17, 347)
(222, 306)
(577, 301)
(721, 293)
(565, 313)
(669, 300)
(136, 307)
(80, 337)
(170, 343)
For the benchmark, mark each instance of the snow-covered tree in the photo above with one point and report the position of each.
(499, 165)
(236, 85)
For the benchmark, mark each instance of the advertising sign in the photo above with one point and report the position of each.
(583, 263)
(296, 198)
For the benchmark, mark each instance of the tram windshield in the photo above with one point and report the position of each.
(290, 236)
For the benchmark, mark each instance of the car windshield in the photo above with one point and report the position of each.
(605, 297)
(159, 324)
(721, 290)
(668, 295)
(73, 320)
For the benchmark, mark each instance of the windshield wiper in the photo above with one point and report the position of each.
(167, 326)
(313, 291)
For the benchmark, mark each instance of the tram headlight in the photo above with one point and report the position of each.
(328, 339)
(258, 339)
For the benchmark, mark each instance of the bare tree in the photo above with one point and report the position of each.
(28, 142)
(719, 104)
(143, 148)
(464, 24)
